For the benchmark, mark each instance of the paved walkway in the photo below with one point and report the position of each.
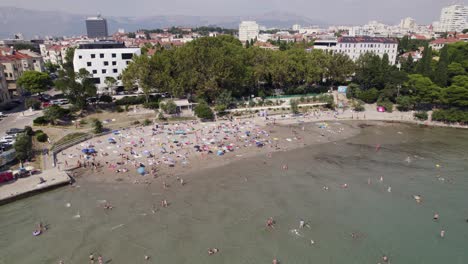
(23, 186)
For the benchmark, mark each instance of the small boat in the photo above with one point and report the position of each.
(37, 232)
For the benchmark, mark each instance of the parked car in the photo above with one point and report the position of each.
(63, 101)
(46, 104)
(2, 114)
(15, 131)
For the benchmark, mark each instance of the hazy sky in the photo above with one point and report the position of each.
(331, 11)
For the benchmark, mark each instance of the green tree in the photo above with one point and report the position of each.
(203, 111)
(405, 103)
(422, 90)
(33, 103)
(23, 147)
(340, 68)
(169, 107)
(294, 106)
(139, 74)
(97, 126)
(50, 67)
(369, 96)
(423, 66)
(408, 65)
(76, 86)
(35, 82)
(54, 113)
(247, 44)
(441, 73)
(110, 82)
(455, 69)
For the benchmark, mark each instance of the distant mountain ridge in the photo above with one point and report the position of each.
(33, 23)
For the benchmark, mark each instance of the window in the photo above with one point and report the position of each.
(114, 70)
(106, 63)
(93, 56)
(88, 63)
(96, 80)
(104, 71)
(101, 55)
(127, 56)
(80, 57)
(114, 55)
(114, 63)
(94, 71)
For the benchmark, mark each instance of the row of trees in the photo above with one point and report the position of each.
(439, 81)
(206, 67)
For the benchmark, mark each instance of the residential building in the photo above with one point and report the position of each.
(54, 54)
(35, 61)
(453, 18)
(407, 24)
(4, 94)
(96, 27)
(441, 42)
(104, 59)
(326, 44)
(248, 30)
(15, 63)
(296, 27)
(354, 47)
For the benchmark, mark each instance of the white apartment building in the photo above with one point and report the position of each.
(354, 47)
(36, 63)
(453, 18)
(248, 30)
(104, 59)
(326, 44)
(296, 27)
(54, 54)
(408, 24)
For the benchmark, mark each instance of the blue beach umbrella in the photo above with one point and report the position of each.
(141, 170)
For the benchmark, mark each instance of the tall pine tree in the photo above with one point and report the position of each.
(441, 73)
(408, 65)
(424, 65)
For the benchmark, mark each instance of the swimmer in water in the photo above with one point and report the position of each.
(270, 222)
(436, 217)
(285, 167)
(344, 186)
(301, 224)
(275, 261)
(381, 178)
(385, 258)
(442, 233)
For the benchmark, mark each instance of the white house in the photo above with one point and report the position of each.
(354, 47)
(104, 59)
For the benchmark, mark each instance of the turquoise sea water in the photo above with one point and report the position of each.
(227, 208)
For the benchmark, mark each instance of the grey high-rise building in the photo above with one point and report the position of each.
(96, 27)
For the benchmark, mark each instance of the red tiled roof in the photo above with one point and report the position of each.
(444, 41)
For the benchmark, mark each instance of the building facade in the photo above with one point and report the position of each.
(104, 59)
(248, 30)
(4, 94)
(96, 27)
(453, 18)
(354, 47)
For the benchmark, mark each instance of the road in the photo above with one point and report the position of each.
(17, 120)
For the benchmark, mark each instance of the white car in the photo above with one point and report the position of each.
(8, 138)
(2, 115)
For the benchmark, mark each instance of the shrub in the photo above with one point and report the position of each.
(42, 137)
(370, 96)
(203, 111)
(126, 108)
(119, 109)
(28, 131)
(294, 106)
(169, 107)
(147, 122)
(37, 132)
(421, 115)
(42, 120)
(151, 105)
(55, 112)
(162, 117)
(358, 106)
(450, 116)
(97, 126)
(220, 108)
(33, 103)
(105, 98)
(404, 103)
(131, 100)
(386, 104)
(136, 122)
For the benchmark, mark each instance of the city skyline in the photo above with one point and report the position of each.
(344, 11)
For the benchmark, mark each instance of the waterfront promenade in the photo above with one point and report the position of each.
(11, 191)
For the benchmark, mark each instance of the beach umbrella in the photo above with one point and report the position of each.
(115, 132)
(141, 170)
(85, 151)
(111, 140)
(91, 150)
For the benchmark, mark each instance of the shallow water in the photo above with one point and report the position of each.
(227, 208)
